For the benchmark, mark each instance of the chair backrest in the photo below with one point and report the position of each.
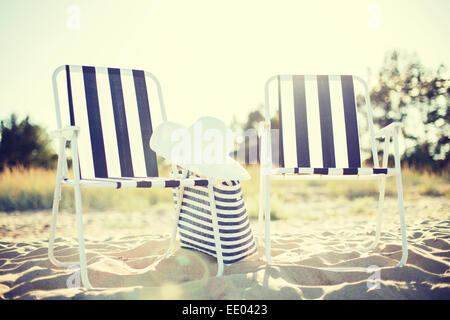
(318, 121)
(111, 107)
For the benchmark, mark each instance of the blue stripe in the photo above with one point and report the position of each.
(206, 235)
(301, 122)
(235, 246)
(235, 253)
(201, 183)
(320, 170)
(351, 122)
(143, 184)
(227, 191)
(145, 121)
(196, 199)
(211, 244)
(193, 215)
(191, 206)
(205, 194)
(280, 126)
(196, 191)
(225, 223)
(229, 199)
(95, 123)
(236, 238)
(350, 171)
(240, 206)
(231, 216)
(326, 122)
(69, 95)
(209, 228)
(234, 208)
(191, 246)
(120, 121)
(221, 223)
(216, 189)
(196, 223)
(240, 258)
(223, 207)
(235, 230)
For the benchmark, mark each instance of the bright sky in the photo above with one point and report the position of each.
(212, 57)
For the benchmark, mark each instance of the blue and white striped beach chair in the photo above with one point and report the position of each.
(319, 139)
(108, 117)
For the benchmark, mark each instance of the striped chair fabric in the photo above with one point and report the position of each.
(195, 223)
(111, 107)
(319, 126)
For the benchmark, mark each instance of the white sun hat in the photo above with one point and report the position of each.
(204, 148)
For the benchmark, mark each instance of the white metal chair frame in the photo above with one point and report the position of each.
(70, 133)
(389, 132)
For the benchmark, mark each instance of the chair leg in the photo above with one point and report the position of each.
(174, 231)
(176, 220)
(382, 188)
(212, 205)
(401, 210)
(81, 246)
(51, 242)
(261, 211)
(267, 217)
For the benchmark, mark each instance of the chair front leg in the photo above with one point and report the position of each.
(264, 200)
(79, 214)
(55, 208)
(261, 208)
(51, 242)
(382, 188)
(176, 220)
(267, 217)
(212, 206)
(80, 232)
(401, 208)
(382, 191)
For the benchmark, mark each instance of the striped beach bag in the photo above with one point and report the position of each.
(195, 223)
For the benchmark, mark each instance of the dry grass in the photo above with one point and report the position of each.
(22, 190)
(287, 194)
(33, 190)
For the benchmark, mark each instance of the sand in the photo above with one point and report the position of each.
(121, 244)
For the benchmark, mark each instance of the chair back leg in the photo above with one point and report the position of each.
(262, 195)
(401, 207)
(380, 208)
(382, 188)
(401, 210)
(55, 210)
(81, 245)
(212, 206)
(51, 242)
(267, 217)
(176, 220)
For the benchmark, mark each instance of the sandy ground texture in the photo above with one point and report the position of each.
(120, 245)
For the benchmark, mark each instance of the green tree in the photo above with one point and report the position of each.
(24, 144)
(419, 98)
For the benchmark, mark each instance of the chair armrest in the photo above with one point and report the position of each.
(66, 133)
(390, 129)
